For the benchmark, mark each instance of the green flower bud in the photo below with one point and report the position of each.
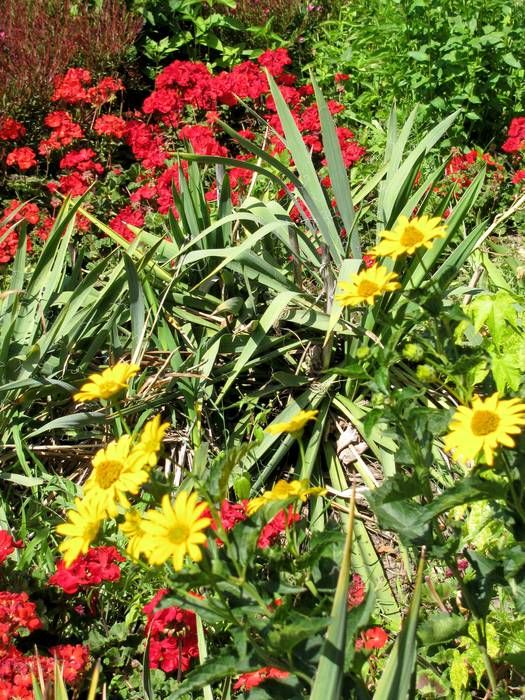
(413, 352)
(426, 374)
(362, 352)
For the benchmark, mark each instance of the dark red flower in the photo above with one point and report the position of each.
(356, 592)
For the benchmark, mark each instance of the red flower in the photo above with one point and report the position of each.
(341, 77)
(74, 184)
(369, 260)
(44, 229)
(128, 215)
(281, 522)
(519, 175)
(97, 565)
(104, 91)
(373, 638)
(73, 660)
(164, 101)
(81, 160)
(516, 139)
(29, 212)
(8, 545)
(17, 613)
(275, 60)
(202, 140)
(252, 679)
(172, 633)
(9, 244)
(23, 157)
(65, 131)
(70, 88)
(356, 592)
(11, 130)
(109, 125)
(146, 144)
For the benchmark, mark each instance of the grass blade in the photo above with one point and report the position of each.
(329, 676)
(397, 678)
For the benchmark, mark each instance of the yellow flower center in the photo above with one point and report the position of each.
(108, 472)
(484, 422)
(178, 533)
(109, 387)
(411, 236)
(367, 288)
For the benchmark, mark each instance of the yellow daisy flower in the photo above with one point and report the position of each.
(81, 528)
(284, 491)
(175, 531)
(408, 235)
(365, 286)
(117, 470)
(132, 528)
(111, 381)
(489, 423)
(294, 425)
(151, 440)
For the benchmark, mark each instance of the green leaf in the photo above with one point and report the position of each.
(330, 671)
(337, 171)
(308, 176)
(511, 61)
(267, 321)
(398, 676)
(441, 627)
(209, 672)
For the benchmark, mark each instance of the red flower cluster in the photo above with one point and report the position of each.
(17, 669)
(64, 131)
(128, 215)
(172, 635)
(98, 565)
(73, 659)
(109, 125)
(252, 679)
(8, 545)
(17, 613)
(461, 167)
(24, 158)
(519, 176)
(74, 88)
(11, 130)
(372, 638)
(184, 106)
(516, 137)
(233, 513)
(9, 237)
(356, 592)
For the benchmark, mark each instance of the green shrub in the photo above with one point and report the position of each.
(445, 55)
